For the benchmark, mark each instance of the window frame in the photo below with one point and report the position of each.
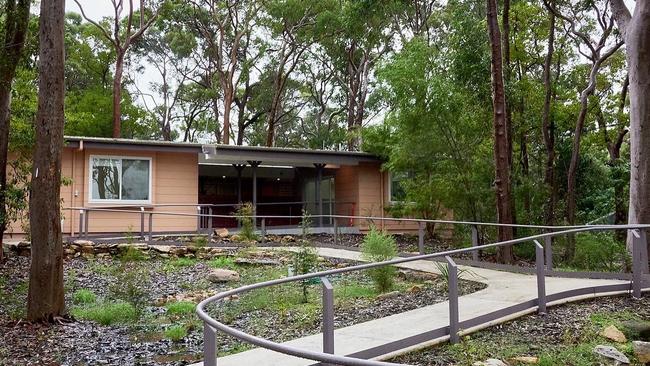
(390, 190)
(94, 200)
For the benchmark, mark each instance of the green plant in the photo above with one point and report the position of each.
(222, 262)
(378, 246)
(176, 333)
(132, 254)
(178, 263)
(244, 216)
(130, 239)
(443, 268)
(304, 261)
(180, 308)
(107, 313)
(600, 252)
(200, 241)
(305, 223)
(131, 286)
(84, 296)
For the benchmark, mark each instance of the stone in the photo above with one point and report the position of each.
(83, 243)
(611, 354)
(162, 248)
(641, 351)
(636, 329)
(222, 275)
(612, 333)
(222, 233)
(287, 239)
(388, 295)
(490, 362)
(528, 360)
(415, 289)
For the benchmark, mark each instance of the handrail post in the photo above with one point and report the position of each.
(328, 316)
(475, 243)
(141, 223)
(210, 231)
(150, 227)
(548, 241)
(541, 279)
(209, 345)
(638, 239)
(81, 223)
(336, 231)
(198, 220)
(421, 237)
(86, 221)
(452, 270)
(263, 230)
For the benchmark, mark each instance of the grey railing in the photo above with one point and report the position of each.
(211, 325)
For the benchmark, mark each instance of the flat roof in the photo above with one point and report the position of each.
(230, 154)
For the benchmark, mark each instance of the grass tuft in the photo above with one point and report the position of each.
(181, 308)
(107, 313)
(84, 296)
(176, 333)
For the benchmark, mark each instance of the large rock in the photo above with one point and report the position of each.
(166, 249)
(641, 351)
(612, 333)
(636, 329)
(490, 362)
(222, 275)
(83, 243)
(222, 233)
(611, 354)
(287, 239)
(528, 360)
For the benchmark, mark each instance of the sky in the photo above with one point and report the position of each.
(95, 9)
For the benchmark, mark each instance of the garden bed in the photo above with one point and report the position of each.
(139, 311)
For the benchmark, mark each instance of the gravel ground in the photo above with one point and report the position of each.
(87, 343)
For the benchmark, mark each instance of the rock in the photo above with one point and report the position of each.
(636, 329)
(416, 289)
(641, 351)
(490, 362)
(529, 360)
(257, 262)
(388, 295)
(235, 237)
(611, 354)
(222, 275)
(162, 248)
(612, 333)
(83, 243)
(287, 239)
(222, 233)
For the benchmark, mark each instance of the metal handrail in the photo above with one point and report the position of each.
(211, 324)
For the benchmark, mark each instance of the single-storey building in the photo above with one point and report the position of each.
(158, 176)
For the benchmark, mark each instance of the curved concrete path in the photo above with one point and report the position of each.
(504, 289)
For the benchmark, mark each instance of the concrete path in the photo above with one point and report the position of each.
(504, 289)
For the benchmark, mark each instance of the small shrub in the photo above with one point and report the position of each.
(378, 246)
(131, 287)
(305, 223)
(84, 296)
(132, 254)
(200, 241)
(178, 263)
(304, 261)
(176, 333)
(180, 308)
(443, 268)
(600, 252)
(222, 262)
(107, 313)
(244, 216)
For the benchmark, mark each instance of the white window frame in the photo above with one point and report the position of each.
(91, 199)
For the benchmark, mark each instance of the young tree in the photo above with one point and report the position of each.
(122, 39)
(45, 300)
(636, 33)
(505, 211)
(14, 32)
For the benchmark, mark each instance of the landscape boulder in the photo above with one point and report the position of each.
(222, 275)
(287, 239)
(612, 333)
(490, 362)
(611, 354)
(641, 351)
(222, 233)
(528, 360)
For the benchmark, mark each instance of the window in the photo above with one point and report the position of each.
(397, 187)
(120, 179)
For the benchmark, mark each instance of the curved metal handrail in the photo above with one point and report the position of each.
(349, 361)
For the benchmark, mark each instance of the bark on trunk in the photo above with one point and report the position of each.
(501, 158)
(5, 100)
(117, 96)
(45, 299)
(548, 126)
(227, 107)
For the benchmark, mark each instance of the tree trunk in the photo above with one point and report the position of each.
(637, 39)
(548, 126)
(15, 31)
(117, 95)
(45, 300)
(501, 158)
(227, 107)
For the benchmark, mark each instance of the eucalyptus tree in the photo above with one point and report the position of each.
(122, 34)
(15, 24)
(45, 300)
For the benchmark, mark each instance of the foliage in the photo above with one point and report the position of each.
(132, 254)
(178, 263)
(200, 241)
(222, 262)
(131, 286)
(304, 260)
(107, 313)
(180, 308)
(244, 215)
(305, 223)
(176, 333)
(600, 252)
(443, 269)
(84, 296)
(379, 246)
